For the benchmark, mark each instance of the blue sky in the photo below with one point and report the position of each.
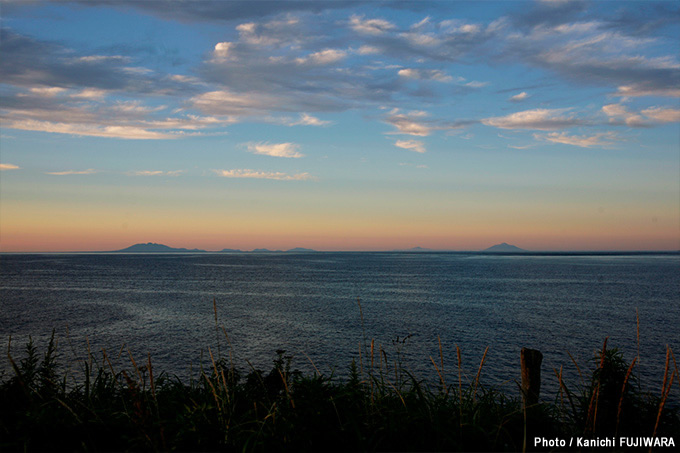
(340, 125)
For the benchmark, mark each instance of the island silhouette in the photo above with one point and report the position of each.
(152, 247)
(504, 248)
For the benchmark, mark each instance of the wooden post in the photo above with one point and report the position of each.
(531, 375)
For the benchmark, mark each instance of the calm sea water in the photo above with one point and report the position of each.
(307, 304)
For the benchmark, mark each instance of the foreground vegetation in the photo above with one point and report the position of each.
(380, 406)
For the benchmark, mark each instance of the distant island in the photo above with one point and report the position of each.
(152, 247)
(504, 248)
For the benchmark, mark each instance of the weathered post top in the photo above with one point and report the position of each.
(531, 375)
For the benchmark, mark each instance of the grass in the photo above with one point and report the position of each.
(380, 406)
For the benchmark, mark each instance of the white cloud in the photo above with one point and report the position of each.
(539, 119)
(519, 97)
(90, 93)
(222, 49)
(602, 140)
(275, 149)
(92, 130)
(416, 122)
(370, 26)
(411, 145)
(48, 91)
(368, 50)
(185, 79)
(89, 171)
(156, 173)
(617, 112)
(257, 174)
(640, 91)
(9, 167)
(323, 57)
(476, 84)
(225, 102)
(409, 124)
(309, 120)
(662, 115)
(422, 39)
(425, 74)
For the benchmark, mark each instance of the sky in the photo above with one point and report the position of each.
(339, 125)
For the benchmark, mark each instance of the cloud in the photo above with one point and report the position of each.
(602, 140)
(66, 113)
(50, 68)
(418, 123)
(220, 10)
(618, 113)
(409, 123)
(89, 171)
(257, 174)
(662, 115)
(425, 74)
(519, 97)
(369, 50)
(47, 91)
(411, 145)
(589, 52)
(124, 132)
(221, 51)
(370, 26)
(50, 88)
(275, 149)
(9, 167)
(409, 164)
(538, 119)
(307, 120)
(641, 90)
(323, 57)
(155, 173)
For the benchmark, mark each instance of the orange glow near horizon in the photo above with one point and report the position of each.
(21, 230)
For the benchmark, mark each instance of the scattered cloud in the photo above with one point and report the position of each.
(662, 115)
(221, 11)
(309, 120)
(277, 61)
(155, 173)
(369, 50)
(618, 113)
(323, 57)
(89, 171)
(425, 74)
(9, 167)
(221, 51)
(409, 164)
(370, 26)
(275, 149)
(93, 130)
(257, 174)
(475, 84)
(519, 97)
(410, 123)
(411, 145)
(538, 119)
(602, 140)
(418, 123)
(641, 90)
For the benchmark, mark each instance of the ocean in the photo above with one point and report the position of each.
(325, 308)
